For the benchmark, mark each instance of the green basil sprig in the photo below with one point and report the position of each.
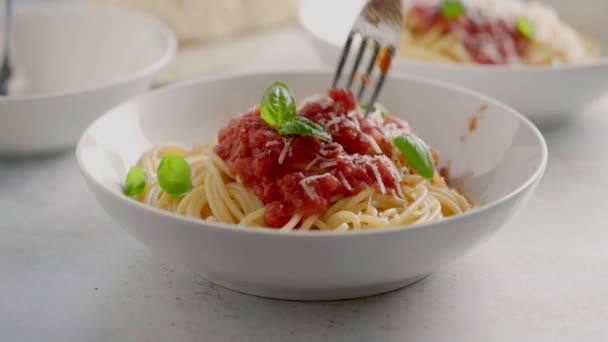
(136, 181)
(278, 109)
(417, 154)
(452, 9)
(303, 126)
(525, 27)
(278, 105)
(174, 176)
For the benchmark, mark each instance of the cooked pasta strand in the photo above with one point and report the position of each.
(219, 196)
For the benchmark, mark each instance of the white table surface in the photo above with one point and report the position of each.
(68, 273)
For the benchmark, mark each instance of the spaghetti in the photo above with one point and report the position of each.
(253, 176)
(492, 32)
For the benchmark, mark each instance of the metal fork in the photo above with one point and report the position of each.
(376, 30)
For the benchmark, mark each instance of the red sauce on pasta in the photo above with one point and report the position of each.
(301, 175)
(488, 41)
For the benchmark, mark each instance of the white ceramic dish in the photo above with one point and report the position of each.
(544, 94)
(80, 61)
(500, 164)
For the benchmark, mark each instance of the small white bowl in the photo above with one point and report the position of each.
(546, 94)
(499, 165)
(79, 61)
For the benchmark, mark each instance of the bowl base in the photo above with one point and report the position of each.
(312, 294)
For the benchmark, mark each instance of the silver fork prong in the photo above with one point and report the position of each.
(368, 72)
(379, 22)
(345, 52)
(354, 70)
(379, 85)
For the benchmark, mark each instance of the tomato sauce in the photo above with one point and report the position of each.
(488, 41)
(384, 60)
(302, 174)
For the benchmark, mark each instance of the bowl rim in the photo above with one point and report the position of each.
(602, 61)
(169, 42)
(136, 205)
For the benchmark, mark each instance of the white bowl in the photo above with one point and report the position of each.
(499, 164)
(546, 94)
(80, 61)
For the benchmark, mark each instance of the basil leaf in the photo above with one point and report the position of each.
(417, 154)
(174, 176)
(278, 105)
(384, 115)
(136, 181)
(452, 9)
(302, 126)
(525, 27)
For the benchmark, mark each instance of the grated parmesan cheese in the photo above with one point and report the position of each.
(327, 164)
(378, 177)
(374, 144)
(272, 143)
(345, 182)
(325, 150)
(360, 159)
(310, 192)
(334, 120)
(346, 121)
(356, 124)
(313, 162)
(391, 167)
(286, 149)
(323, 101)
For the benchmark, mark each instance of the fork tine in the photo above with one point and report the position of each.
(379, 22)
(345, 51)
(368, 72)
(372, 102)
(353, 73)
(380, 83)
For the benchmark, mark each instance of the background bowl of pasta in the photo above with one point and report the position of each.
(493, 154)
(549, 76)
